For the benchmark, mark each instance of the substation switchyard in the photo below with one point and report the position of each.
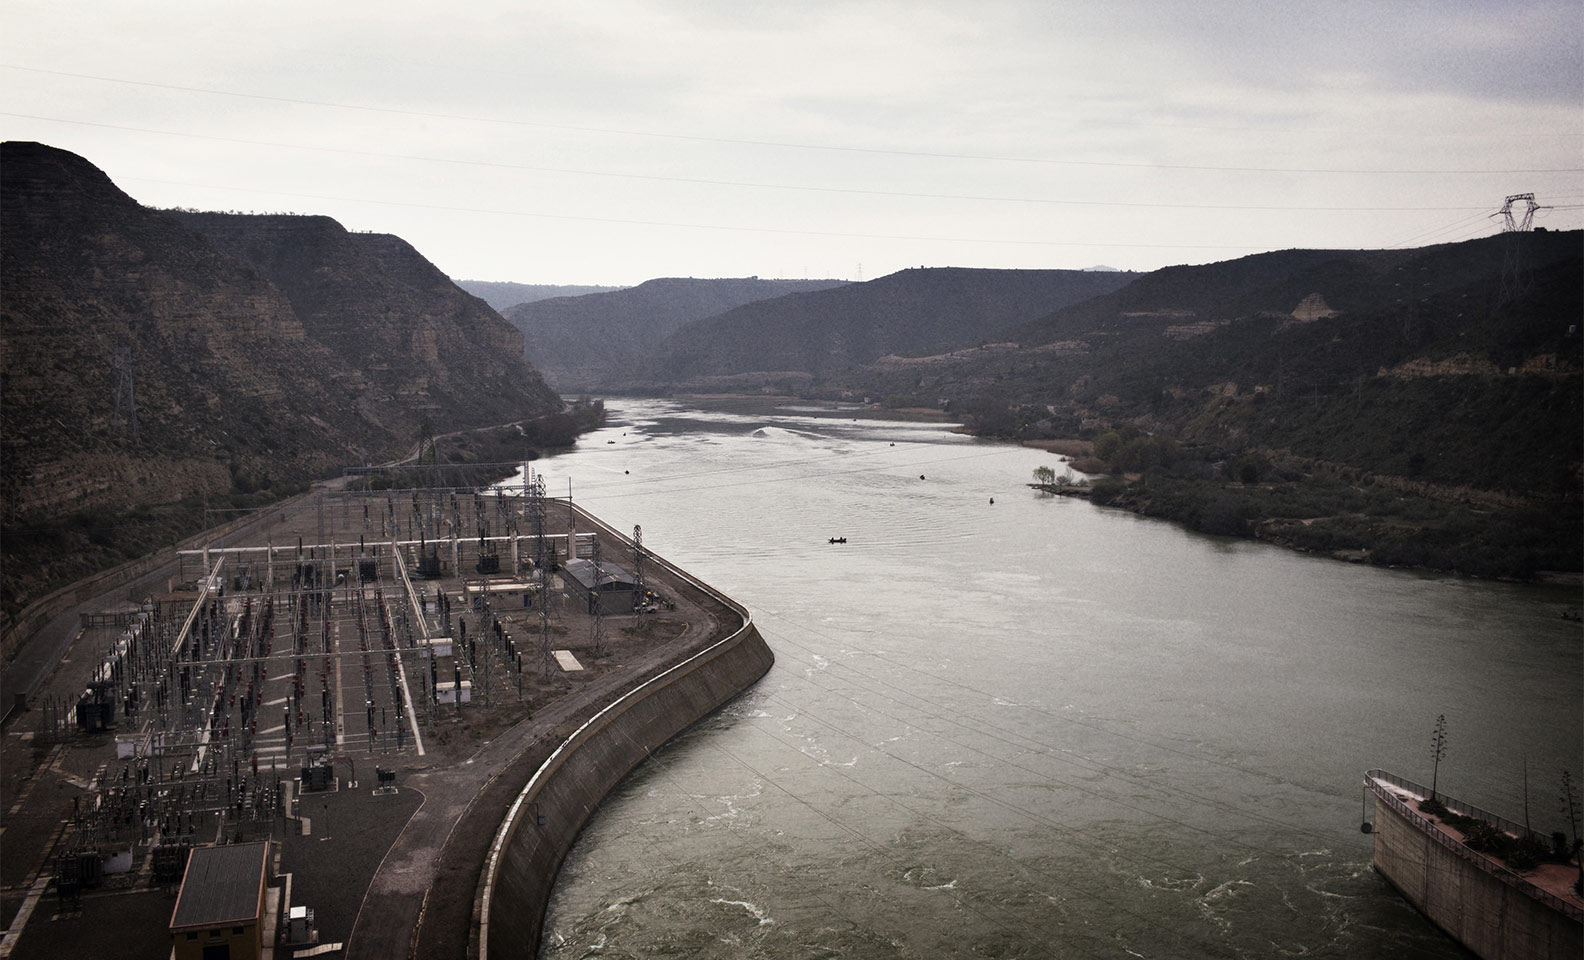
(327, 646)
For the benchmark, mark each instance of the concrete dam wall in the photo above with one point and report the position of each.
(1486, 909)
(566, 790)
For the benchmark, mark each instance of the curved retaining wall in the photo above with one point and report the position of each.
(1491, 914)
(565, 791)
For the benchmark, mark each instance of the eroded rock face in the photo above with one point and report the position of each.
(260, 346)
(387, 312)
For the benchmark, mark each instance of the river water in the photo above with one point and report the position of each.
(1032, 727)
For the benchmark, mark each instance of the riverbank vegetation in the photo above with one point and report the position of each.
(1344, 513)
(1415, 408)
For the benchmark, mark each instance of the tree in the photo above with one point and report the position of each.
(1107, 444)
(1437, 752)
(1044, 476)
(1570, 809)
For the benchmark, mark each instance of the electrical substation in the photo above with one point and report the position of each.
(322, 649)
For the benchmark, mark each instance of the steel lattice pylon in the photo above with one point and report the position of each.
(638, 572)
(1525, 223)
(596, 601)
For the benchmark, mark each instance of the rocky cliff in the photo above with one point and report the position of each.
(150, 357)
(413, 336)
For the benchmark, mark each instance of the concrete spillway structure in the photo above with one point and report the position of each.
(567, 788)
(1495, 911)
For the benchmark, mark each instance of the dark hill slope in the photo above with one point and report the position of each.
(387, 312)
(1276, 283)
(242, 386)
(502, 295)
(598, 341)
(1309, 338)
(1410, 406)
(911, 313)
(220, 365)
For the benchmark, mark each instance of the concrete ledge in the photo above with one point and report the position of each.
(568, 787)
(1490, 913)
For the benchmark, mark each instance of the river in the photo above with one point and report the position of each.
(1031, 727)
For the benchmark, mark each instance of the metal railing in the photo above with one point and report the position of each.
(1373, 780)
(1467, 809)
(526, 798)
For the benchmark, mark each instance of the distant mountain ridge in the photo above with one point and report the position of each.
(1420, 407)
(504, 294)
(1288, 350)
(597, 341)
(812, 336)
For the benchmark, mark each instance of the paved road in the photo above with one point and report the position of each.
(423, 891)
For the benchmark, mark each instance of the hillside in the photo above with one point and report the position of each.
(600, 340)
(256, 357)
(502, 295)
(412, 335)
(1422, 406)
(807, 337)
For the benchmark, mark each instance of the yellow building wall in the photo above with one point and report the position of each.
(246, 945)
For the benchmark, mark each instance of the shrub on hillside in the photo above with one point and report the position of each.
(1224, 516)
(1106, 490)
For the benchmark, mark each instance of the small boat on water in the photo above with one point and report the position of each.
(838, 539)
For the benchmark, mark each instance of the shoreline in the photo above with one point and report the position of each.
(1260, 534)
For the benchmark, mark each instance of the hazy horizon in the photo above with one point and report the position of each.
(570, 145)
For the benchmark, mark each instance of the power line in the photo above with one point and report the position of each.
(1459, 224)
(783, 144)
(955, 830)
(983, 728)
(744, 184)
(1096, 766)
(672, 224)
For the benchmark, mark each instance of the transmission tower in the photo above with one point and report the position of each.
(638, 571)
(536, 519)
(1514, 279)
(596, 601)
(1525, 222)
(124, 396)
(536, 514)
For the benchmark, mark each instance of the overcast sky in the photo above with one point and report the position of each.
(614, 142)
